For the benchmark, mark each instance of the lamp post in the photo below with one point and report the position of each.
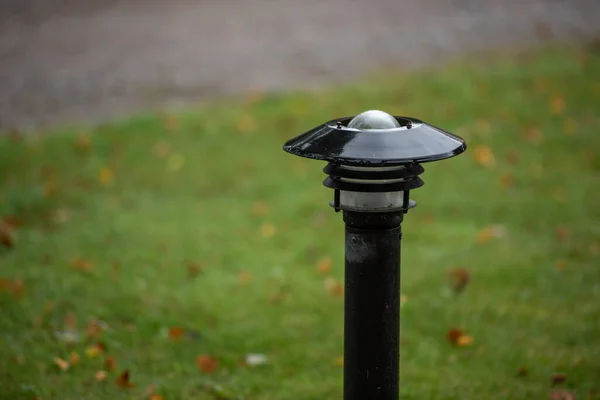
(374, 161)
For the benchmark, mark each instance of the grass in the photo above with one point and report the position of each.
(199, 223)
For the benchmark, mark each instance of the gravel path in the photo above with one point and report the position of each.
(76, 60)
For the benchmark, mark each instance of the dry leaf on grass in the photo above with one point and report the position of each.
(124, 380)
(459, 279)
(334, 287)
(63, 365)
(324, 265)
(176, 333)
(206, 363)
(458, 338)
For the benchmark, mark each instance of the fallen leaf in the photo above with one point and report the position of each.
(74, 358)
(101, 376)
(561, 265)
(559, 394)
(175, 162)
(206, 363)
(5, 237)
(464, 340)
(267, 230)
(106, 176)
(14, 287)
(49, 189)
(193, 270)
(10, 222)
(244, 277)
(594, 249)
(507, 181)
(95, 350)
(557, 104)
(559, 194)
(334, 287)
(459, 278)
(532, 134)
(63, 365)
(512, 157)
(124, 381)
(170, 123)
(490, 232)
(246, 124)
(162, 149)
(176, 333)
(110, 363)
(458, 338)
(569, 126)
(522, 372)
(339, 361)
(260, 209)
(484, 156)
(557, 379)
(255, 359)
(324, 265)
(156, 397)
(403, 299)
(81, 265)
(562, 233)
(83, 143)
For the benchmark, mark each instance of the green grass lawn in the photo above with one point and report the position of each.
(195, 234)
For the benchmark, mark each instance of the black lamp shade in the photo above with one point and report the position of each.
(413, 141)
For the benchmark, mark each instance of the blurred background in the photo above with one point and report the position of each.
(69, 60)
(157, 243)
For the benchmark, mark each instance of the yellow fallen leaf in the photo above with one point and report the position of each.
(557, 104)
(175, 162)
(490, 232)
(324, 265)
(83, 143)
(62, 364)
(403, 300)
(93, 351)
(245, 277)
(569, 126)
(339, 361)
(484, 156)
(464, 340)
(260, 208)
(74, 358)
(106, 176)
(267, 230)
(246, 124)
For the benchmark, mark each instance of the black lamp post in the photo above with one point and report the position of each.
(374, 161)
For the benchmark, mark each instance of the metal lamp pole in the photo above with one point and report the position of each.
(374, 161)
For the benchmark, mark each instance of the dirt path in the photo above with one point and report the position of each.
(84, 62)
